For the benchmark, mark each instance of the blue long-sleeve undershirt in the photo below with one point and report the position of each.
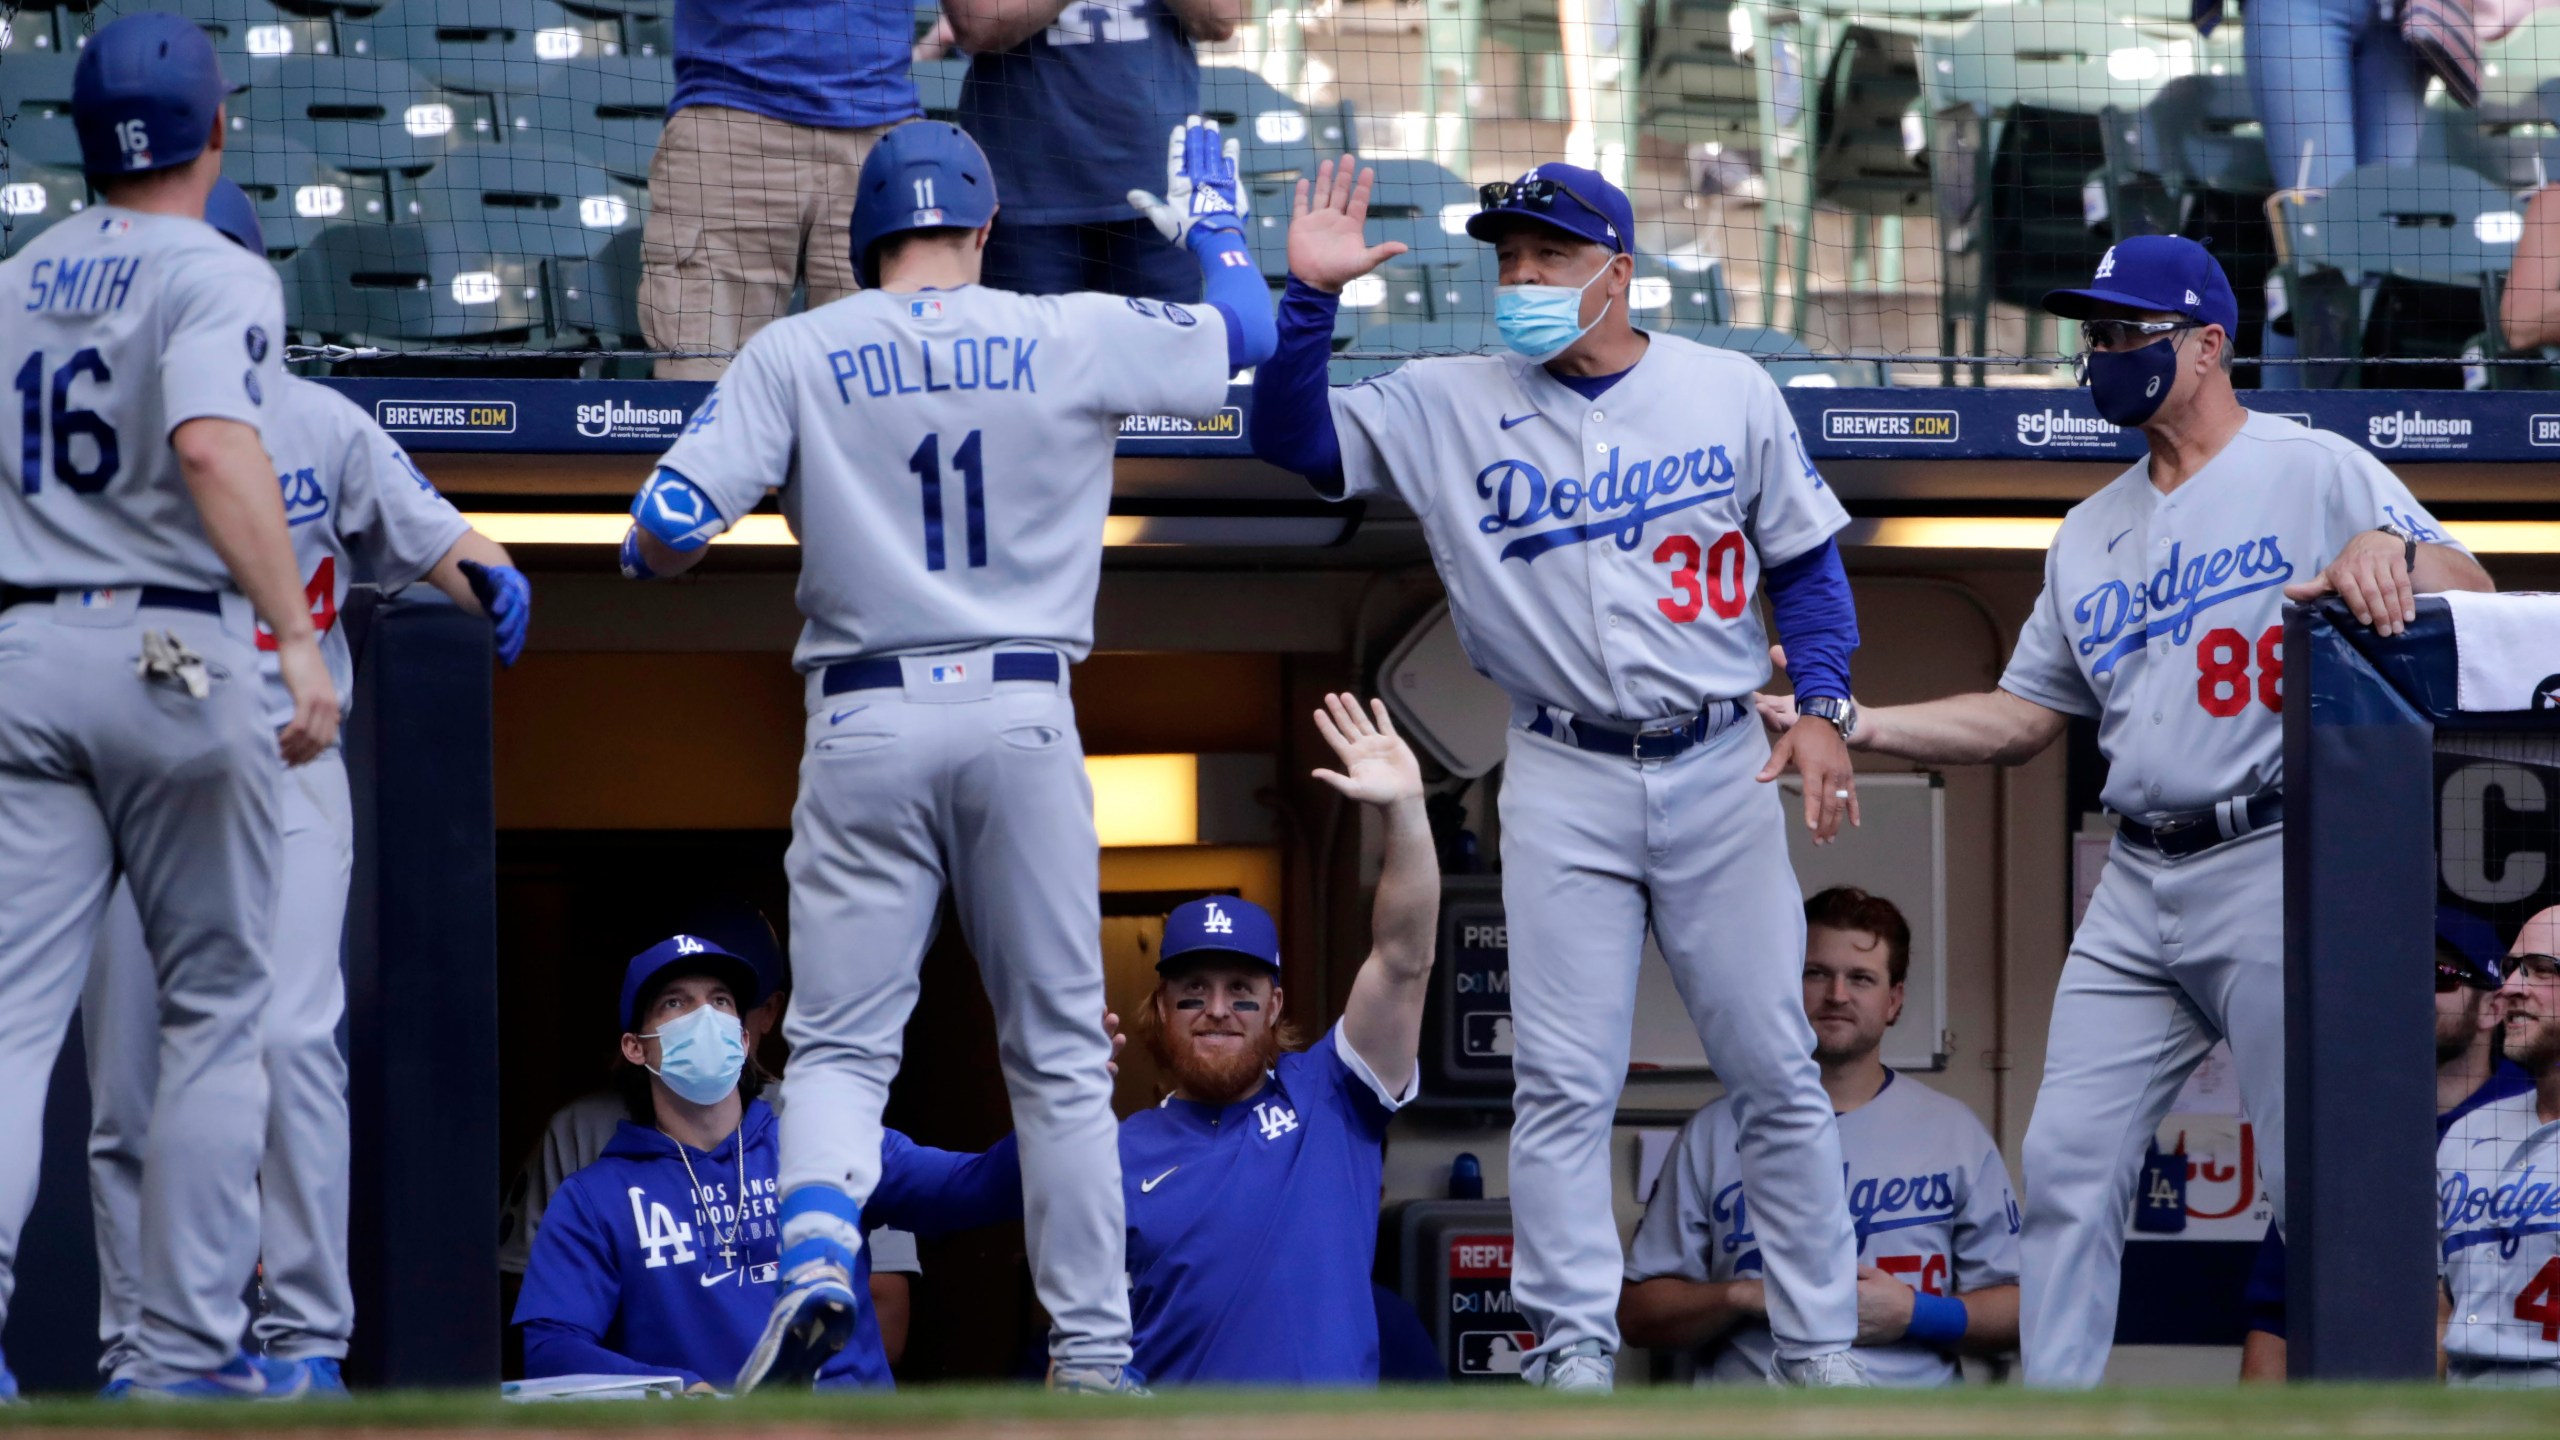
(1292, 420)
(1817, 621)
(1234, 287)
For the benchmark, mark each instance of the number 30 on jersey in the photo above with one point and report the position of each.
(1702, 578)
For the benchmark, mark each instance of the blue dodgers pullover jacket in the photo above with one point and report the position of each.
(642, 1269)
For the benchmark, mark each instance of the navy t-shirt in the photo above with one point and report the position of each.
(832, 64)
(1253, 1226)
(1077, 116)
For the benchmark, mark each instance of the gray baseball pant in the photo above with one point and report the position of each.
(2172, 956)
(981, 787)
(302, 1185)
(1595, 848)
(102, 770)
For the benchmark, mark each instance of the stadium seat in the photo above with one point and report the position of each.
(554, 200)
(241, 30)
(648, 26)
(1267, 230)
(361, 114)
(1426, 206)
(1810, 370)
(938, 86)
(2193, 162)
(611, 112)
(409, 286)
(2397, 260)
(298, 195)
(1279, 138)
(28, 32)
(33, 198)
(1697, 88)
(35, 98)
(486, 46)
(1684, 298)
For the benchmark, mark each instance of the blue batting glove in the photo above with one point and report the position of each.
(508, 597)
(1202, 192)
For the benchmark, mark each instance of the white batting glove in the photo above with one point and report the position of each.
(1201, 190)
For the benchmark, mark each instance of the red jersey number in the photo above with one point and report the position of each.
(2223, 685)
(321, 595)
(1702, 580)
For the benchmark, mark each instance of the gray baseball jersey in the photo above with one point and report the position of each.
(357, 509)
(1926, 1187)
(2162, 615)
(2498, 1204)
(123, 326)
(935, 455)
(1600, 555)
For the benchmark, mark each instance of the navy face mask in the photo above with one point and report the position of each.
(2128, 385)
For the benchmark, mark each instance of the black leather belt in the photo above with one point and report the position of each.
(2193, 832)
(885, 672)
(160, 597)
(1654, 742)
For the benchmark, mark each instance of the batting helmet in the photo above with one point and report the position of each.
(145, 95)
(923, 175)
(229, 210)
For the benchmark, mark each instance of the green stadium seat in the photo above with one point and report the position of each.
(1681, 297)
(408, 286)
(361, 114)
(648, 26)
(29, 32)
(938, 86)
(611, 111)
(1696, 87)
(1425, 205)
(1785, 366)
(35, 97)
(1267, 230)
(2397, 260)
(298, 195)
(241, 30)
(34, 198)
(2193, 162)
(486, 46)
(1280, 139)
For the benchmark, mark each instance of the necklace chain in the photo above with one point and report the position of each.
(728, 1239)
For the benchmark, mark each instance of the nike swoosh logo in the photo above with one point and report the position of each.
(840, 716)
(1148, 1187)
(2111, 545)
(1510, 420)
(708, 1281)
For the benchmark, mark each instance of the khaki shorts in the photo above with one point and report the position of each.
(742, 207)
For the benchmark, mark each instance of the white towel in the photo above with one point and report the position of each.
(2507, 650)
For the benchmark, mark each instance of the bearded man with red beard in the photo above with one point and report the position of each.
(1252, 1190)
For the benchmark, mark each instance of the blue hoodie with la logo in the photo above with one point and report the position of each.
(643, 1267)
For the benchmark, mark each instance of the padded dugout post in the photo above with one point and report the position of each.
(422, 1002)
(2360, 892)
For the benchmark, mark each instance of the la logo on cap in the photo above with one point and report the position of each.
(687, 945)
(2107, 263)
(1218, 923)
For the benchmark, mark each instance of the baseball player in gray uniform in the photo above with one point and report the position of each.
(1603, 505)
(2162, 619)
(145, 350)
(944, 454)
(2498, 1204)
(1937, 1224)
(357, 509)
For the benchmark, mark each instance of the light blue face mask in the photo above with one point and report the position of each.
(701, 1054)
(1543, 321)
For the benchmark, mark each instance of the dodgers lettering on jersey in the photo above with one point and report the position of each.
(356, 507)
(1253, 1227)
(1601, 555)
(2498, 1209)
(1927, 1192)
(2163, 615)
(120, 327)
(945, 456)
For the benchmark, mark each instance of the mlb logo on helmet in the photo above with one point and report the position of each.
(951, 674)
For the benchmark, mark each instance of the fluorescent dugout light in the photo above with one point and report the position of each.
(1119, 531)
(1145, 799)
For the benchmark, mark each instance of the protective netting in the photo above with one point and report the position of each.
(1854, 188)
(2498, 1168)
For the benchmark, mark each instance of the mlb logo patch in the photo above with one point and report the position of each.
(927, 308)
(764, 1274)
(91, 599)
(951, 674)
(112, 225)
(928, 217)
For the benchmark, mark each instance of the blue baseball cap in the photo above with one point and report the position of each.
(2472, 938)
(2155, 272)
(741, 929)
(679, 955)
(144, 95)
(1219, 924)
(1581, 203)
(230, 210)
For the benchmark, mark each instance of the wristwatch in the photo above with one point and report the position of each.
(2408, 544)
(1842, 713)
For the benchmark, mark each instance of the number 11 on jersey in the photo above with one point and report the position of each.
(926, 464)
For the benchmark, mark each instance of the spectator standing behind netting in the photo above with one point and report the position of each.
(662, 1257)
(1072, 100)
(1937, 1224)
(2498, 1206)
(2470, 968)
(750, 193)
(2529, 307)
